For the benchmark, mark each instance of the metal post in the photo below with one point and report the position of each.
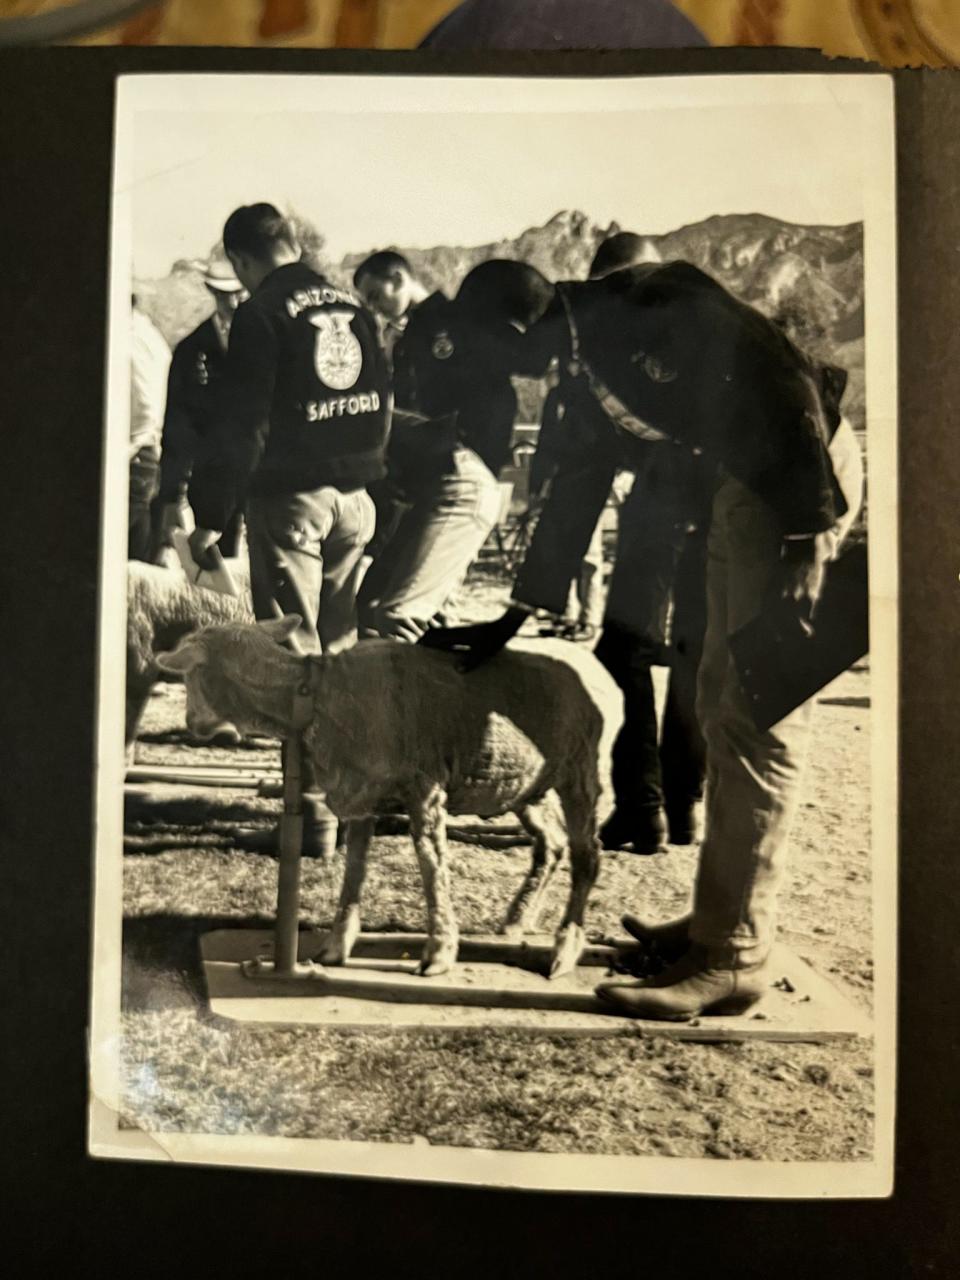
(287, 932)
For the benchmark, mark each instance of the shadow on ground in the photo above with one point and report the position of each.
(161, 959)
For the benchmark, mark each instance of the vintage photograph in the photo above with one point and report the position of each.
(497, 755)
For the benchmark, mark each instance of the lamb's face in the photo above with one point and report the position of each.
(212, 698)
(203, 719)
(192, 660)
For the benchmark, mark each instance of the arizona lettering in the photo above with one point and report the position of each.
(317, 296)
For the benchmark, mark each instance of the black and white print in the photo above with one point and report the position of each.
(498, 661)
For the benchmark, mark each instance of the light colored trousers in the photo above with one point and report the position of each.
(753, 779)
(306, 552)
(436, 542)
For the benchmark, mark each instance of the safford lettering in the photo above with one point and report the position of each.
(341, 406)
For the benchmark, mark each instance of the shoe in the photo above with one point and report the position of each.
(696, 985)
(682, 824)
(669, 941)
(392, 824)
(643, 833)
(551, 630)
(320, 840)
(581, 632)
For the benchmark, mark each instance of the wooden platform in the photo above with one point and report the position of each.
(496, 984)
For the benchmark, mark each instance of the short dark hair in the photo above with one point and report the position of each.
(255, 229)
(380, 265)
(502, 289)
(621, 250)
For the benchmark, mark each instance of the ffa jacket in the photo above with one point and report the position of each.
(667, 353)
(452, 385)
(305, 397)
(196, 374)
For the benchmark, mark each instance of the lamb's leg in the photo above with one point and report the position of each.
(428, 819)
(544, 823)
(139, 684)
(580, 810)
(339, 941)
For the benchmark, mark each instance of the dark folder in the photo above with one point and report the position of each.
(779, 672)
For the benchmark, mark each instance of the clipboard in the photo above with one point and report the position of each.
(778, 673)
(219, 579)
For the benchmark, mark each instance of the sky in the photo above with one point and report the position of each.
(418, 179)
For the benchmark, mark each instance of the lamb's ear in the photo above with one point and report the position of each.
(182, 659)
(282, 628)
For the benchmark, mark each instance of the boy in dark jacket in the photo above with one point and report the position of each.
(196, 372)
(454, 413)
(301, 433)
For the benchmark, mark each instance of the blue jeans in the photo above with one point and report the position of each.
(565, 24)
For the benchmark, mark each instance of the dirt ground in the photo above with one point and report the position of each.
(187, 1071)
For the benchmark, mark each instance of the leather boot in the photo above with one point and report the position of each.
(643, 833)
(701, 982)
(391, 824)
(669, 941)
(320, 838)
(682, 824)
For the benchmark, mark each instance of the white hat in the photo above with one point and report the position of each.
(219, 275)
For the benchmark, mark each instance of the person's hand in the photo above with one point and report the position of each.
(800, 581)
(172, 517)
(201, 541)
(476, 644)
(396, 627)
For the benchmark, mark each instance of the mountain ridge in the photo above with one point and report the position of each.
(807, 277)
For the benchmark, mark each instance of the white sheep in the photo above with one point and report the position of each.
(163, 607)
(397, 726)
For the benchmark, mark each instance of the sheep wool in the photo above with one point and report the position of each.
(390, 726)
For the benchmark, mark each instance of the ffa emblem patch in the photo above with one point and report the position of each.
(655, 369)
(337, 355)
(442, 346)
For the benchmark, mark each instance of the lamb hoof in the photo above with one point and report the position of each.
(333, 953)
(227, 735)
(513, 930)
(337, 946)
(566, 953)
(437, 960)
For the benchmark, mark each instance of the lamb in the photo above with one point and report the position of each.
(390, 726)
(162, 607)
